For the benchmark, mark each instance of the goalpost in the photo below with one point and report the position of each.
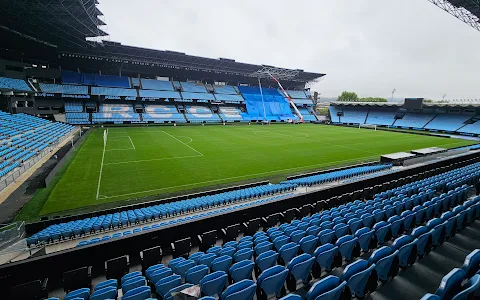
(370, 126)
(104, 138)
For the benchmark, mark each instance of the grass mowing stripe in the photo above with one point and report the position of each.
(163, 163)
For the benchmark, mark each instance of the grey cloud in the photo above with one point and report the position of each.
(369, 46)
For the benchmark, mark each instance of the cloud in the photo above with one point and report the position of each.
(369, 46)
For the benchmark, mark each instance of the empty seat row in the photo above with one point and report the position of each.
(460, 283)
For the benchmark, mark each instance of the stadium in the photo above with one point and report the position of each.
(133, 173)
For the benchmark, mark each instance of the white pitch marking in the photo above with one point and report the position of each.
(131, 142)
(120, 150)
(236, 177)
(101, 168)
(182, 143)
(153, 159)
(191, 140)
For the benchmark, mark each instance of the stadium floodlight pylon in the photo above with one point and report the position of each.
(267, 72)
(466, 10)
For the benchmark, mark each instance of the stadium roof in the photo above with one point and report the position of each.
(54, 22)
(116, 52)
(467, 11)
(73, 28)
(400, 104)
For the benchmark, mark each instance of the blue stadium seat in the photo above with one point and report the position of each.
(83, 293)
(470, 290)
(288, 251)
(159, 274)
(105, 284)
(242, 290)
(213, 284)
(241, 270)
(348, 247)
(109, 292)
(329, 288)
(383, 232)
(424, 237)
(243, 254)
(366, 238)
(139, 293)
(299, 268)
(222, 263)
(133, 283)
(386, 263)
(265, 260)
(272, 281)
(196, 273)
(451, 284)
(360, 277)
(166, 284)
(327, 258)
(471, 265)
(308, 244)
(179, 288)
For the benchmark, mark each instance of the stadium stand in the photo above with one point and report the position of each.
(230, 114)
(354, 115)
(74, 106)
(114, 92)
(23, 137)
(473, 128)
(197, 96)
(229, 98)
(448, 122)
(200, 114)
(307, 115)
(414, 120)
(74, 113)
(225, 89)
(460, 283)
(193, 87)
(64, 89)
(393, 231)
(159, 94)
(274, 106)
(296, 94)
(160, 85)
(14, 84)
(334, 110)
(384, 117)
(70, 77)
(116, 113)
(162, 113)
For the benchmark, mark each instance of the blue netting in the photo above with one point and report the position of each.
(276, 106)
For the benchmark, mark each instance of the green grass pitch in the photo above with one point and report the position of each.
(161, 160)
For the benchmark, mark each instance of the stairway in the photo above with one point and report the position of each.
(426, 274)
(366, 117)
(429, 121)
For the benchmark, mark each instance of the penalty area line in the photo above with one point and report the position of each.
(243, 176)
(101, 168)
(183, 143)
(131, 142)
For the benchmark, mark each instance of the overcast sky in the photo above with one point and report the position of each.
(365, 46)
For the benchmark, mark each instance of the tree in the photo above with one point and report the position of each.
(348, 97)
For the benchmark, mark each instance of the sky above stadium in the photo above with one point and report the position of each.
(369, 47)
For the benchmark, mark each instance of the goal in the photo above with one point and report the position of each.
(369, 126)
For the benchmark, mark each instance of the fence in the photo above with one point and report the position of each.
(17, 172)
(11, 233)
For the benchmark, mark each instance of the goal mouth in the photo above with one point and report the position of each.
(368, 126)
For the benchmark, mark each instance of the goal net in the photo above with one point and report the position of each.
(370, 126)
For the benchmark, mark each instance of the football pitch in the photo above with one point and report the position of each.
(163, 160)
